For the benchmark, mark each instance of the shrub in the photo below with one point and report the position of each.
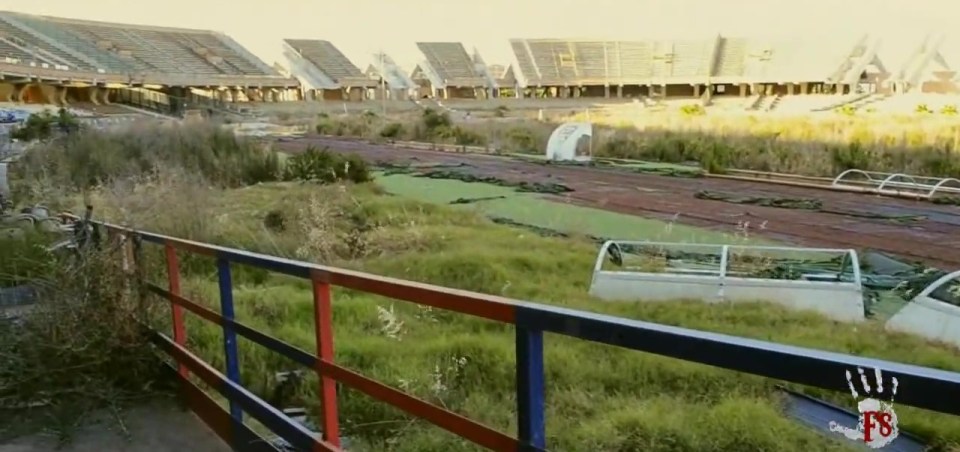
(326, 127)
(392, 130)
(323, 166)
(922, 108)
(80, 349)
(433, 120)
(312, 165)
(44, 125)
(949, 110)
(522, 140)
(94, 157)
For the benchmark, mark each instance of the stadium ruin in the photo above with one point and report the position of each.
(60, 61)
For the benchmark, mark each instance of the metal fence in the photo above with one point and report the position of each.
(931, 389)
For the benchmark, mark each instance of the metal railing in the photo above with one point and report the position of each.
(932, 389)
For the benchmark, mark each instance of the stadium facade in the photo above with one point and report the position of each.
(62, 61)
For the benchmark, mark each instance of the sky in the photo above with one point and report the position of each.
(361, 28)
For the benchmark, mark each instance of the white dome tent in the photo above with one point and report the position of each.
(563, 142)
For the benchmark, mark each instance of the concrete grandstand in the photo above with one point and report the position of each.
(59, 61)
(448, 71)
(692, 68)
(90, 65)
(396, 81)
(325, 72)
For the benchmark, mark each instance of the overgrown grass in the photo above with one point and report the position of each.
(599, 398)
(822, 145)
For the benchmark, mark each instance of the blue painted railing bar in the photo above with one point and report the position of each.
(230, 347)
(932, 389)
(290, 430)
(927, 388)
(531, 403)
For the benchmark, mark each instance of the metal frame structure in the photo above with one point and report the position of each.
(931, 389)
(897, 184)
(832, 295)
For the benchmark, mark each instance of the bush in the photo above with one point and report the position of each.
(326, 167)
(80, 349)
(922, 108)
(433, 120)
(392, 130)
(93, 157)
(44, 125)
(949, 110)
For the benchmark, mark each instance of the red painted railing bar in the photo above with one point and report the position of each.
(452, 422)
(323, 328)
(173, 280)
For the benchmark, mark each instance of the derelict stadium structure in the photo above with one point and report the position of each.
(57, 61)
(48, 60)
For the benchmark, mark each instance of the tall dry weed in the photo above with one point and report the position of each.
(81, 349)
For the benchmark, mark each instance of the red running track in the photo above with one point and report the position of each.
(933, 240)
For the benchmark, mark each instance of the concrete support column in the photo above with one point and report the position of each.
(606, 91)
(743, 90)
(94, 93)
(62, 96)
(16, 95)
(104, 96)
(696, 90)
(619, 91)
(48, 94)
(804, 88)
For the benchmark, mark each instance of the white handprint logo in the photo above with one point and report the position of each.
(877, 426)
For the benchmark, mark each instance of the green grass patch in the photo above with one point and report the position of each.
(535, 210)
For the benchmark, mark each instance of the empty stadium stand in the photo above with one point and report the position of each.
(398, 81)
(325, 70)
(693, 68)
(57, 61)
(926, 70)
(450, 71)
(138, 50)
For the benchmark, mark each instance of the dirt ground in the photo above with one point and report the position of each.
(155, 427)
(932, 240)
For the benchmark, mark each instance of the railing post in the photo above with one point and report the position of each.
(229, 335)
(531, 422)
(323, 328)
(173, 286)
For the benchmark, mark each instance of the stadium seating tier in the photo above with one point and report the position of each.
(451, 62)
(80, 47)
(547, 62)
